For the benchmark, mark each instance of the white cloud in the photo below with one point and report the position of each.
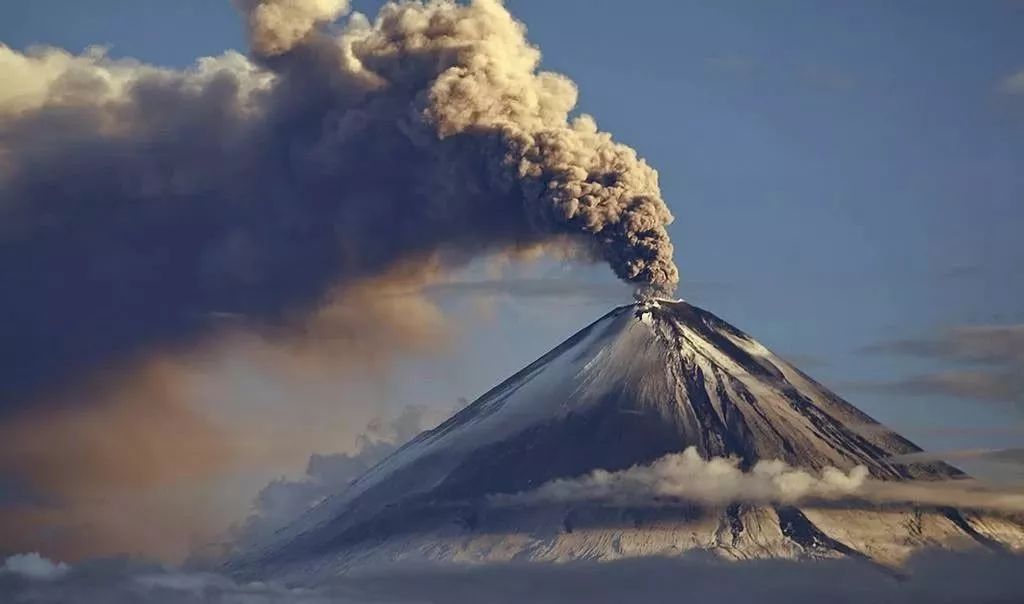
(117, 581)
(686, 476)
(33, 566)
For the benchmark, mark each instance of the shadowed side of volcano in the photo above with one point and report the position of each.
(668, 376)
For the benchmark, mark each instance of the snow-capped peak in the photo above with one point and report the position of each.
(644, 381)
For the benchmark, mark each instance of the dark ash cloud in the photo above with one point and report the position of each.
(534, 288)
(150, 217)
(138, 202)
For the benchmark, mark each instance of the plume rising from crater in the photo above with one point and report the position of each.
(137, 201)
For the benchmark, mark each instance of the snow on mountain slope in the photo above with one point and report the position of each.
(644, 381)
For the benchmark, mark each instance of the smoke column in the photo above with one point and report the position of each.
(136, 202)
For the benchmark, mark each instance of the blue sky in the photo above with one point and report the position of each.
(842, 174)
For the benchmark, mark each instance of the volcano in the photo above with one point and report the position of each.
(644, 381)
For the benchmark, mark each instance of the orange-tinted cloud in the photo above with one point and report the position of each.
(94, 464)
(162, 458)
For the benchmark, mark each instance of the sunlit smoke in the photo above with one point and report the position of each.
(137, 201)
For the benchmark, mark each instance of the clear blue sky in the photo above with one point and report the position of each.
(842, 173)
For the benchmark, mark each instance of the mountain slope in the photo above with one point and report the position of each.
(641, 382)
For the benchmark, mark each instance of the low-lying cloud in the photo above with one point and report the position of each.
(33, 566)
(929, 578)
(32, 578)
(688, 477)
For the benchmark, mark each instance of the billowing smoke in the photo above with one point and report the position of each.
(688, 477)
(138, 205)
(276, 26)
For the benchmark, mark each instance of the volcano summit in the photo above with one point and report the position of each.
(640, 385)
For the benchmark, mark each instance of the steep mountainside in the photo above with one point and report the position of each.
(643, 381)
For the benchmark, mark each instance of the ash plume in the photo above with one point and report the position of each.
(138, 201)
(276, 26)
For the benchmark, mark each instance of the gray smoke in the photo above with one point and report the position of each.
(136, 202)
